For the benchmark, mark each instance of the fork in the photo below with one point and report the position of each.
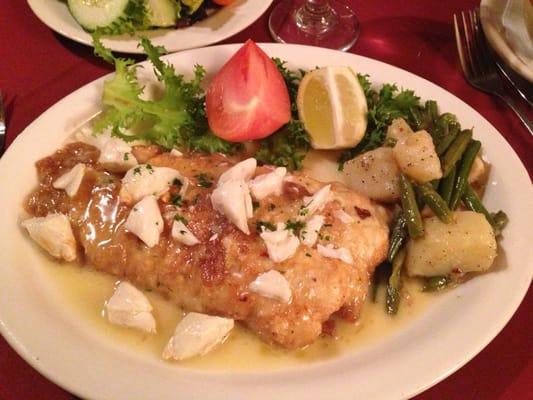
(2, 126)
(477, 63)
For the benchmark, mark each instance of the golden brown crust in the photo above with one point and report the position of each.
(213, 276)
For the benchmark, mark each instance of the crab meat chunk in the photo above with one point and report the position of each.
(54, 234)
(144, 180)
(71, 181)
(265, 185)
(145, 221)
(129, 307)
(317, 201)
(196, 335)
(272, 284)
(232, 199)
(183, 235)
(309, 234)
(115, 153)
(243, 170)
(340, 253)
(281, 244)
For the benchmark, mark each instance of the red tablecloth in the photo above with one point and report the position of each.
(39, 67)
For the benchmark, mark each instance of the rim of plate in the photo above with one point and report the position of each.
(399, 366)
(226, 22)
(490, 12)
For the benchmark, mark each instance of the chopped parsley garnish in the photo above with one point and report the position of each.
(204, 181)
(303, 211)
(176, 200)
(269, 226)
(255, 205)
(181, 218)
(150, 168)
(294, 226)
(126, 156)
(177, 182)
(137, 171)
(289, 145)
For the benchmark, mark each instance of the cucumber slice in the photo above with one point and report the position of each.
(161, 13)
(193, 5)
(92, 14)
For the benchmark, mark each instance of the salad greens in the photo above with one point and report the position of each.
(288, 146)
(383, 106)
(140, 15)
(135, 17)
(177, 119)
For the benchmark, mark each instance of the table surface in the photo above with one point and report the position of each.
(39, 67)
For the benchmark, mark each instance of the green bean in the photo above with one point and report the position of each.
(447, 119)
(397, 237)
(415, 226)
(432, 110)
(394, 286)
(436, 283)
(473, 202)
(446, 186)
(436, 203)
(415, 118)
(443, 125)
(455, 151)
(463, 171)
(452, 132)
(498, 220)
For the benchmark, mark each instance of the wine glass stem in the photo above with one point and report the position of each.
(315, 17)
(316, 6)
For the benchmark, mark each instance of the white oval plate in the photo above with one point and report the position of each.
(453, 329)
(224, 23)
(491, 13)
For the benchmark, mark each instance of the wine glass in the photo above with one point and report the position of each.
(323, 23)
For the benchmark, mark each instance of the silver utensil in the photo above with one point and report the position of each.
(2, 126)
(477, 63)
(524, 88)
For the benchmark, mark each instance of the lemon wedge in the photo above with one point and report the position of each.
(332, 106)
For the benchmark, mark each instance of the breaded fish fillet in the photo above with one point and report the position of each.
(213, 276)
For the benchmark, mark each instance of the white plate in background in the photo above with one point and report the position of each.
(491, 15)
(226, 22)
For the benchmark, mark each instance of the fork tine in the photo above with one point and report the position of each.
(459, 44)
(475, 61)
(479, 53)
(485, 55)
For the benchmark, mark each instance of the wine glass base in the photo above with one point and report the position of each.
(341, 33)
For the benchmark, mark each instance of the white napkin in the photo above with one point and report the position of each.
(515, 20)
